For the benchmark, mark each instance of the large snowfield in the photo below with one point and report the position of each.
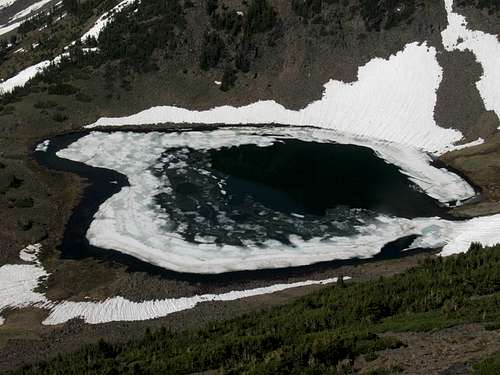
(390, 108)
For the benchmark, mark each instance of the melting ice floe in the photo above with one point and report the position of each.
(130, 222)
(17, 284)
(44, 146)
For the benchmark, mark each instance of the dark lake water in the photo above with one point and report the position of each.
(310, 178)
(246, 195)
(250, 194)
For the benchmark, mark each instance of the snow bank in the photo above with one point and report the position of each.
(392, 100)
(131, 223)
(121, 309)
(18, 282)
(104, 19)
(29, 10)
(485, 230)
(4, 29)
(485, 47)
(21, 78)
(6, 3)
(25, 75)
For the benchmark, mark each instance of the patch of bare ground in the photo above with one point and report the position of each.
(487, 20)
(450, 351)
(481, 164)
(459, 104)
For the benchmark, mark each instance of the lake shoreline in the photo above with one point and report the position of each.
(112, 182)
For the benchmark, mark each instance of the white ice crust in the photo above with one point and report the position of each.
(128, 221)
(18, 282)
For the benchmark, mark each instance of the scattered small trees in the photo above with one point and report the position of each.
(228, 78)
(317, 334)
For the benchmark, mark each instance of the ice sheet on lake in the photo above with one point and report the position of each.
(131, 223)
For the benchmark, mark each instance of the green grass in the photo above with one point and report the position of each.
(316, 333)
(490, 366)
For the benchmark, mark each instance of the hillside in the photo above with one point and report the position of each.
(359, 327)
(414, 80)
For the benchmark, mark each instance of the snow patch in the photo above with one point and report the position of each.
(21, 78)
(104, 19)
(120, 309)
(6, 3)
(29, 10)
(4, 29)
(485, 230)
(392, 100)
(485, 47)
(18, 282)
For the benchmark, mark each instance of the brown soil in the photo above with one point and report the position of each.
(451, 351)
(459, 104)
